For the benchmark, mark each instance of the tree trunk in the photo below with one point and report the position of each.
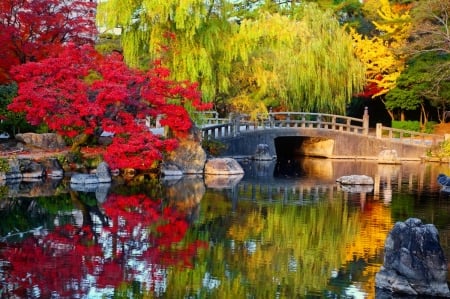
(423, 117)
(78, 141)
(390, 112)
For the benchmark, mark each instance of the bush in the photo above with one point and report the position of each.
(413, 125)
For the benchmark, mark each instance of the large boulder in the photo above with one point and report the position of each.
(44, 141)
(414, 262)
(90, 182)
(188, 158)
(31, 169)
(223, 166)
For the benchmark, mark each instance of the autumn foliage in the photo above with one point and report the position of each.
(33, 30)
(80, 93)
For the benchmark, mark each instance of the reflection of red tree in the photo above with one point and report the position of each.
(60, 261)
(52, 261)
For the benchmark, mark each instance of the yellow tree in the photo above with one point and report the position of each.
(382, 53)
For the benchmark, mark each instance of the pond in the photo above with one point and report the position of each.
(285, 229)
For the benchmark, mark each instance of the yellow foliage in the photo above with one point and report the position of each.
(395, 25)
(384, 63)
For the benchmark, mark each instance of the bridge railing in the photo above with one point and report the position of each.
(241, 123)
(405, 136)
(317, 121)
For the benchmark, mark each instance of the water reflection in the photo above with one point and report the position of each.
(274, 233)
(125, 245)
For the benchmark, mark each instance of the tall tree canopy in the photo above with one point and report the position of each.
(80, 93)
(34, 29)
(308, 64)
(430, 27)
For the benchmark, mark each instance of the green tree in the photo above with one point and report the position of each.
(10, 121)
(431, 34)
(415, 87)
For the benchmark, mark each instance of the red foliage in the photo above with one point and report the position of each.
(371, 89)
(31, 30)
(141, 232)
(80, 91)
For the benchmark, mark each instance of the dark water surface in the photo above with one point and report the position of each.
(284, 230)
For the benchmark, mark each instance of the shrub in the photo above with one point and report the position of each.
(413, 125)
(213, 147)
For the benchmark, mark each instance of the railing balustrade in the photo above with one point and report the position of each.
(241, 123)
(405, 136)
(238, 124)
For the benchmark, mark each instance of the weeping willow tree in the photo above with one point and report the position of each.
(302, 62)
(190, 36)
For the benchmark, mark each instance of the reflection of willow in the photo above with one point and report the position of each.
(284, 250)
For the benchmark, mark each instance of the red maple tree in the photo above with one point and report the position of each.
(80, 93)
(31, 30)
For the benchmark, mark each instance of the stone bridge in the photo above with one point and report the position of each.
(289, 134)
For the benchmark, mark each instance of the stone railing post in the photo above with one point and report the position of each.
(379, 130)
(237, 125)
(271, 118)
(366, 121)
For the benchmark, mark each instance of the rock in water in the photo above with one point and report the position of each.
(355, 179)
(414, 262)
(443, 180)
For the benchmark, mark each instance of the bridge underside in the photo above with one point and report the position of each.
(295, 146)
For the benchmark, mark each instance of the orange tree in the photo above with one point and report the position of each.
(80, 93)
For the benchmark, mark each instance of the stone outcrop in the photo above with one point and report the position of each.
(188, 158)
(44, 141)
(53, 168)
(355, 180)
(27, 169)
(414, 262)
(90, 182)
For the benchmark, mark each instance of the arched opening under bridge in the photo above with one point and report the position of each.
(288, 147)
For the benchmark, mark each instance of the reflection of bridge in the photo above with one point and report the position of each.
(316, 134)
(265, 185)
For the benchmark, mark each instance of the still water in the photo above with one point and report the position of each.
(283, 230)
